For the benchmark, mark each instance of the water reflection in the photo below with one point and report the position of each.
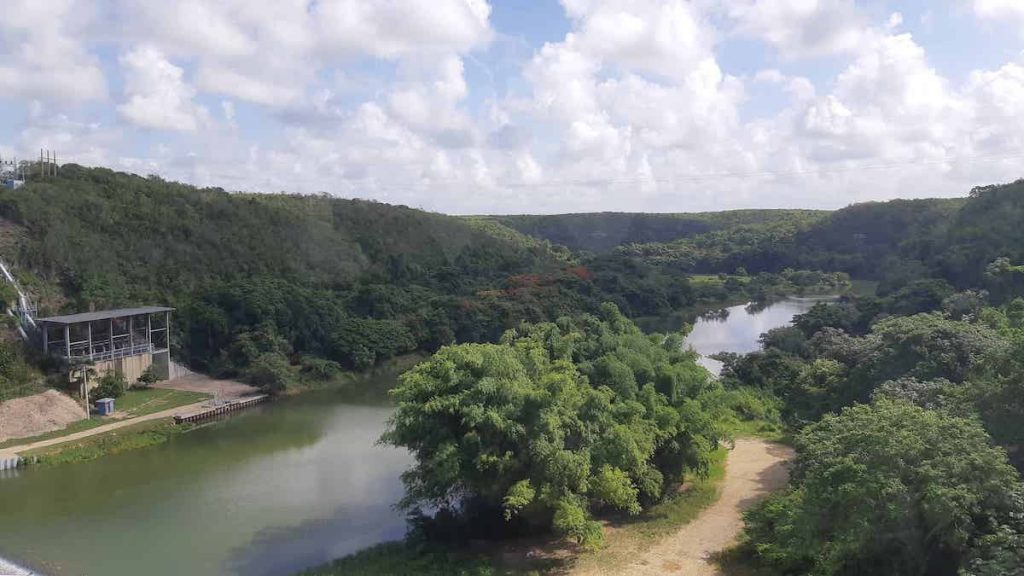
(740, 327)
(271, 491)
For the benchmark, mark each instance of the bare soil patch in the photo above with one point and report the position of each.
(219, 389)
(38, 414)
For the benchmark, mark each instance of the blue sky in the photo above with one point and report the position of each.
(470, 106)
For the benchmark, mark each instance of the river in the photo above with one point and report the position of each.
(281, 487)
(291, 484)
(739, 329)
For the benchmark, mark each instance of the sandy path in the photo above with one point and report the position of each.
(9, 452)
(753, 469)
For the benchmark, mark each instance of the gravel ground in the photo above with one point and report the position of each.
(37, 414)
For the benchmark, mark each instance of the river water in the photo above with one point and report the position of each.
(281, 487)
(291, 484)
(738, 330)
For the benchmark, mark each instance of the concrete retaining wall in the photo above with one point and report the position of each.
(130, 367)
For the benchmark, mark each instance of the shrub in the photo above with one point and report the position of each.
(111, 385)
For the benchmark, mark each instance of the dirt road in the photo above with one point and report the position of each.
(753, 469)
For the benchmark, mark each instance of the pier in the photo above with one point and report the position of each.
(224, 408)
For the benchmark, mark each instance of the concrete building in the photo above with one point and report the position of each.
(125, 341)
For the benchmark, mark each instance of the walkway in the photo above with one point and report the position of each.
(14, 450)
(753, 469)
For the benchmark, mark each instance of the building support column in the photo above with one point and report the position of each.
(111, 338)
(89, 325)
(46, 339)
(67, 341)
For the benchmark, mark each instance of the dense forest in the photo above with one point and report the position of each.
(905, 406)
(602, 232)
(277, 288)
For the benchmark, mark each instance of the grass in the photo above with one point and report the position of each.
(134, 403)
(140, 435)
(140, 402)
(769, 431)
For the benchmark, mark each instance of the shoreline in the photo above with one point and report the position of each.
(9, 568)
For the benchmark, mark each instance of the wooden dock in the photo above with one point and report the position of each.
(224, 408)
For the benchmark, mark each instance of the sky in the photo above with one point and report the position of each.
(527, 106)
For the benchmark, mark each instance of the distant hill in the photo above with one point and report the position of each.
(603, 231)
(112, 237)
(265, 282)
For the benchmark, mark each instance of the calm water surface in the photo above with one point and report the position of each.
(739, 331)
(289, 485)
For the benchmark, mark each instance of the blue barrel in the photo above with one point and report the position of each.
(105, 406)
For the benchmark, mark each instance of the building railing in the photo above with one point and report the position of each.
(101, 355)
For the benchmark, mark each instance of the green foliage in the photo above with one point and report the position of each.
(17, 375)
(604, 231)
(887, 488)
(270, 371)
(110, 385)
(8, 295)
(555, 420)
(148, 377)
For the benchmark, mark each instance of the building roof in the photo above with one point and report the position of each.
(103, 315)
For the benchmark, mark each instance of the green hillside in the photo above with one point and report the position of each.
(602, 232)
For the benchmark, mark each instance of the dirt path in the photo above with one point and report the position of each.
(13, 450)
(753, 469)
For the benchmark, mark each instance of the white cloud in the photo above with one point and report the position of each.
(48, 62)
(639, 106)
(998, 8)
(400, 29)
(157, 95)
(1001, 11)
(801, 28)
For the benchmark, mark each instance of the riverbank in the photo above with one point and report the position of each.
(11, 569)
(682, 535)
(91, 439)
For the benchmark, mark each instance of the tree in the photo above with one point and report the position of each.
(556, 420)
(888, 489)
(111, 385)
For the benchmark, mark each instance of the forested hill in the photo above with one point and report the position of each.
(271, 286)
(603, 231)
(109, 237)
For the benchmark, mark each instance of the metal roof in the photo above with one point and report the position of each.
(103, 315)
